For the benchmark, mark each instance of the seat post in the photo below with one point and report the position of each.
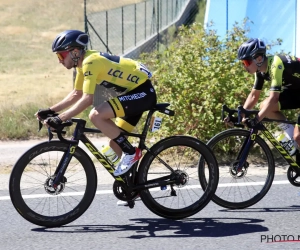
(147, 123)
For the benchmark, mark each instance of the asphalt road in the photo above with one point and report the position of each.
(270, 224)
(108, 226)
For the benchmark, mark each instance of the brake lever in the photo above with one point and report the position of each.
(40, 125)
(50, 135)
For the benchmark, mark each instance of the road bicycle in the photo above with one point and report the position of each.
(54, 182)
(246, 162)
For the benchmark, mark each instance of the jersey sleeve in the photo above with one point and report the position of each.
(276, 73)
(79, 79)
(258, 82)
(90, 76)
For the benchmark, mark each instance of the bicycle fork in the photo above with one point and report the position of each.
(244, 152)
(62, 166)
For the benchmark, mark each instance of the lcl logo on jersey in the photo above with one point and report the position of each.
(87, 73)
(119, 74)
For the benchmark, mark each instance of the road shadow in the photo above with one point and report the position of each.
(145, 228)
(263, 209)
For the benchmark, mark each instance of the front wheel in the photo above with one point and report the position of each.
(241, 188)
(34, 197)
(182, 154)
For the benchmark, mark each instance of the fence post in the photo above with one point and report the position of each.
(145, 20)
(157, 25)
(134, 24)
(106, 15)
(85, 18)
(122, 30)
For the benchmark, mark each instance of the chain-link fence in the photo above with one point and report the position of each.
(134, 29)
(120, 30)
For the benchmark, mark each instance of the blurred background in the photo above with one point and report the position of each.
(269, 20)
(31, 76)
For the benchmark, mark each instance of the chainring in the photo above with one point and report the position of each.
(119, 189)
(293, 176)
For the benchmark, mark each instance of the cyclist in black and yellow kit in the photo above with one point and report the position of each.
(283, 73)
(129, 77)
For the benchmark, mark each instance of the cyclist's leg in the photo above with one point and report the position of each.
(274, 112)
(133, 103)
(101, 117)
(289, 99)
(127, 124)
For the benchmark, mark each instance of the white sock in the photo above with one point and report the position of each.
(288, 130)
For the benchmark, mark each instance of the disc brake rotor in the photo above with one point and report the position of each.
(48, 186)
(236, 172)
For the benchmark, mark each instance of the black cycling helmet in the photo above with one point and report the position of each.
(251, 48)
(70, 39)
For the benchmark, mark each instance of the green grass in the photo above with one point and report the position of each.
(30, 75)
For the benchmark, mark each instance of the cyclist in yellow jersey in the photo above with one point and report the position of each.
(128, 77)
(283, 72)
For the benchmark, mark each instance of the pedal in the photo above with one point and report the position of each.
(131, 204)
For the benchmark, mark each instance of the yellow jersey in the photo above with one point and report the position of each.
(121, 74)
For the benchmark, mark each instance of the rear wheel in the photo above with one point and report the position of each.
(243, 188)
(186, 197)
(34, 197)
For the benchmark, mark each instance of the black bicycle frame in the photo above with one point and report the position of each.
(79, 135)
(248, 143)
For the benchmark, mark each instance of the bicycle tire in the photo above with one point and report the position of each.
(242, 190)
(31, 194)
(188, 150)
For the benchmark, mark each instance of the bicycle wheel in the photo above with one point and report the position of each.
(182, 154)
(251, 184)
(35, 199)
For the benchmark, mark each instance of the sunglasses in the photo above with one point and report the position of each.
(247, 63)
(62, 55)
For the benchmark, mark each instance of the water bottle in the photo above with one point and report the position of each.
(287, 144)
(110, 154)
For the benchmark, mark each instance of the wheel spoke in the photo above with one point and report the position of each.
(247, 187)
(182, 155)
(31, 185)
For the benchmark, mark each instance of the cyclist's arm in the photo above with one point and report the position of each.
(86, 83)
(84, 102)
(252, 99)
(271, 103)
(74, 95)
(69, 100)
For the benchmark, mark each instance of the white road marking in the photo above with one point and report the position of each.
(2, 198)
